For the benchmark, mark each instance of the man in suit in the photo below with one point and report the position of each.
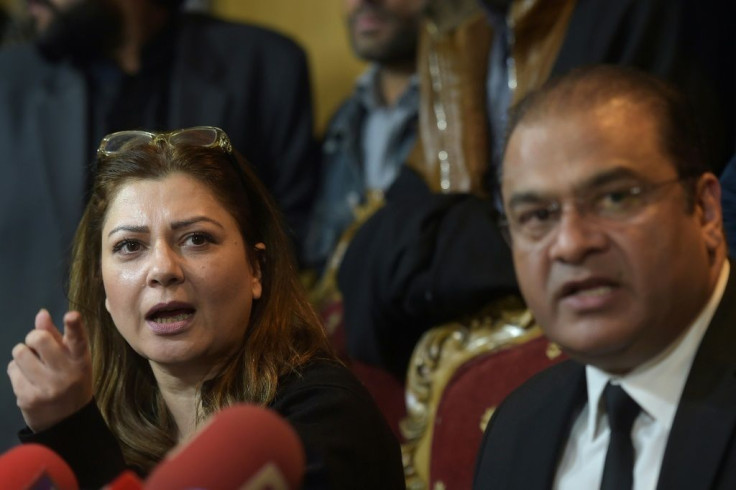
(616, 235)
(101, 66)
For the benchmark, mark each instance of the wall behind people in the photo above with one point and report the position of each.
(318, 26)
(12, 23)
(8, 4)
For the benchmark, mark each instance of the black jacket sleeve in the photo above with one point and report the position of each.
(86, 444)
(347, 441)
(421, 260)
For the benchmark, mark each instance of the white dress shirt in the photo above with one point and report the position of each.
(656, 386)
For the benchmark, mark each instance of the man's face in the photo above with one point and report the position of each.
(78, 29)
(384, 31)
(43, 11)
(612, 277)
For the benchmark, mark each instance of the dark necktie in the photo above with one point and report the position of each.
(618, 471)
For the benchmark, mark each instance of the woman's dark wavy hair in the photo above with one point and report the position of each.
(283, 333)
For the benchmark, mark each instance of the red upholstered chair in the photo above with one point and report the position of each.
(387, 391)
(458, 374)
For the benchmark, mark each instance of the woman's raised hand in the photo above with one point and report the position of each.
(51, 373)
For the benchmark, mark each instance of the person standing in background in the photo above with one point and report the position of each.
(372, 133)
(100, 66)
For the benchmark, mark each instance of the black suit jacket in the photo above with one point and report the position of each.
(251, 82)
(528, 432)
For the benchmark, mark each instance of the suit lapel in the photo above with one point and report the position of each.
(706, 416)
(540, 444)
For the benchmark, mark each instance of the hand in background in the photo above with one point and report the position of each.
(51, 373)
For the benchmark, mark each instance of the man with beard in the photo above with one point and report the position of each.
(379, 169)
(99, 66)
(371, 135)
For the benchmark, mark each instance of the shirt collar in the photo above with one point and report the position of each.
(366, 91)
(657, 384)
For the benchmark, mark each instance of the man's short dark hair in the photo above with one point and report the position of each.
(590, 86)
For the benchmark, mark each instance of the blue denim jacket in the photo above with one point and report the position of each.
(342, 183)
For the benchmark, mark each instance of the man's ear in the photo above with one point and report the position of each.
(708, 207)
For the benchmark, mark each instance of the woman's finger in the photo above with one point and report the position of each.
(27, 364)
(48, 348)
(75, 336)
(45, 323)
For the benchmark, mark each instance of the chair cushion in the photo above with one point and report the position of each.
(477, 387)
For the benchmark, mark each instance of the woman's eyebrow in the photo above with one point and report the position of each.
(191, 221)
(129, 228)
(174, 226)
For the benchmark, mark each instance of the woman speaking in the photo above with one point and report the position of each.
(184, 301)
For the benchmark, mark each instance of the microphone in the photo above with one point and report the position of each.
(127, 480)
(243, 447)
(35, 467)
